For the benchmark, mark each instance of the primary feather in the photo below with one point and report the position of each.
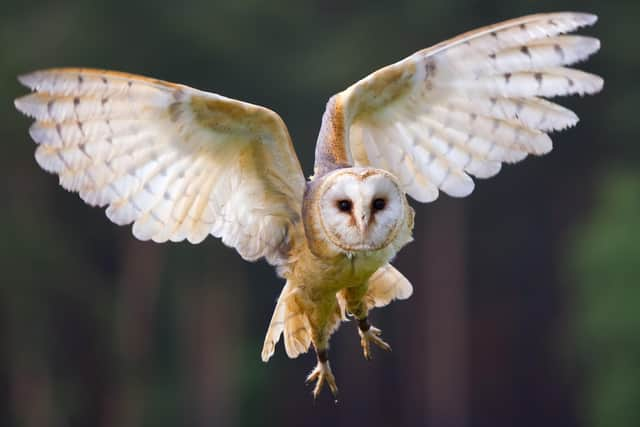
(176, 162)
(467, 105)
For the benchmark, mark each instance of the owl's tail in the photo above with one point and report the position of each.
(288, 317)
(385, 285)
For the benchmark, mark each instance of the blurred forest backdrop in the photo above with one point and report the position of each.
(526, 308)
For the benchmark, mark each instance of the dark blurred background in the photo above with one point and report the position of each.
(527, 297)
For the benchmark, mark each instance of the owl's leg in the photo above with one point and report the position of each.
(324, 319)
(322, 373)
(368, 334)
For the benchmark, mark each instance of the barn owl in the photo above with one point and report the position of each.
(182, 164)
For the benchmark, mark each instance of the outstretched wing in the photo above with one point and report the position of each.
(176, 162)
(464, 106)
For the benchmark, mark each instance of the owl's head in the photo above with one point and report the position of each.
(360, 209)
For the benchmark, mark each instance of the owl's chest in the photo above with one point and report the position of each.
(342, 271)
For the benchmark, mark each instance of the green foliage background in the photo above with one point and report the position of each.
(605, 263)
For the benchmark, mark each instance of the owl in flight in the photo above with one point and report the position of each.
(180, 163)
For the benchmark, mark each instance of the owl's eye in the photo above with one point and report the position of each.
(378, 204)
(345, 205)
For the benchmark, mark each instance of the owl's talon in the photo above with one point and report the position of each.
(321, 374)
(371, 335)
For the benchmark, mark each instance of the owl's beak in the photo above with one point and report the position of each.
(362, 221)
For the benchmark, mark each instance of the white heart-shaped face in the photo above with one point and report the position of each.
(361, 209)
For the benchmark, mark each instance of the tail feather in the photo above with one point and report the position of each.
(385, 285)
(288, 317)
(297, 331)
(276, 326)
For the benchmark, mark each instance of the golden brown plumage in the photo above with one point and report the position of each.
(180, 163)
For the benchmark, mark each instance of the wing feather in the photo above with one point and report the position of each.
(465, 106)
(176, 162)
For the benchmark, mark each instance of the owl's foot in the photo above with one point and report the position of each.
(370, 334)
(321, 374)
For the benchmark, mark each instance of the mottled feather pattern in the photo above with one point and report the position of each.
(472, 103)
(297, 329)
(277, 323)
(386, 285)
(176, 162)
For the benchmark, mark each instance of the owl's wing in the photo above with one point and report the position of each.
(462, 107)
(176, 162)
